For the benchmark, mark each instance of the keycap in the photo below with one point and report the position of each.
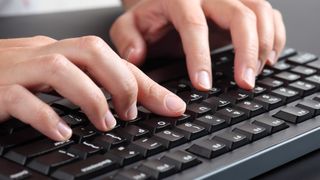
(147, 146)
(250, 108)
(190, 130)
(156, 124)
(315, 79)
(48, 98)
(270, 83)
(231, 139)
(287, 94)
(75, 119)
(23, 153)
(211, 123)
(315, 64)
(293, 114)
(174, 121)
(305, 71)
(251, 131)
(232, 116)
(266, 72)
(287, 76)
(257, 90)
(214, 91)
(281, 66)
(86, 169)
(286, 52)
(303, 87)
(24, 136)
(11, 126)
(131, 174)
(144, 113)
(124, 155)
(216, 103)
(108, 140)
(84, 149)
(46, 163)
(196, 110)
(312, 106)
(157, 169)
(234, 96)
(11, 170)
(170, 138)
(132, 132)
(65, 105)
(177, 86)
(181, 159)
(190, 97)
(269, 102)
(271, 124)
(208, 148)
(302, 58)
(83, 132)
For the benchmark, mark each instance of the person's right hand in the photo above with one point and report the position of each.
(71, 66)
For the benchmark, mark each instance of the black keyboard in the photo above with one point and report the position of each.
(225, 133)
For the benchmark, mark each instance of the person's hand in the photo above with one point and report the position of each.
(39, 64)
(256, 29)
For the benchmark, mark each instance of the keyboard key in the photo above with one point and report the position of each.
(84, 149)
(286, 52)
(312, 106)
(287, 77)
(216, 103)
(190, 130)
(174, 121)
(157, 169)
(281, 66)
(177, 86)
(214, 91)
(156, 124)
(208, 148)
(251, 131)
(109, 140)
(250, 108)
(269, 102)
(302, 58)
(287, 94)
(147, 146)
(303, 87)
(131, 174)
(83, 132)
(315, 79)
(232, 116)
(315, 64)
(270, 83)
(190, 97)
(46, 163)
(196, 110)
(303, 70)
(258, 90)
(231, 139)
(271, 124)
(234, 96)
(211, 123)
(144, 113)
(11, 126)
(86, 169)
(65, 105)
(266, 72)
(293, 114)
(180, 159)
(132, 132)
(75, 119)
(48, 98)
(124, 155)
(170, 138)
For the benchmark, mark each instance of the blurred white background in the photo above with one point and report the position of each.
(23, 7)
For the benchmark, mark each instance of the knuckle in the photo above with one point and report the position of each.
(192, 21)
(93, 43)
(56, 64)
(43, 39)
(244, 13)
(261, 5)
(13, 94)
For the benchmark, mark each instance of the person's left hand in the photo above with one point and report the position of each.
(256, 29)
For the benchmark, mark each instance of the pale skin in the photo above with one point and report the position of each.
(73, 67)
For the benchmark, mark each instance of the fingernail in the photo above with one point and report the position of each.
(128, 53)
(204, 79)
(272, 57)
(64, 129)
(132, 112)
(110, 120)
(249, 77)
(174, 103)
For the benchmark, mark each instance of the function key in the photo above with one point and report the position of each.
(157, 169)
(131, 174)
(233, 140)
(302, 58)
(287, 94)
(251, 131)
(303, 70)
(180, 159)
(271, 124)
(269, 102)
(287, 77)
(293, 114)
(208, 148)
(270, 83)
(211, 123)
(287, 52)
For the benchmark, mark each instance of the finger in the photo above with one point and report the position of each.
(280, 35)
(18, 102)
(155, 97)
(241, 21)
(191, 24)
(131, 46)
(265, 25)
(68, 80)
(105, 66)
(24, 42)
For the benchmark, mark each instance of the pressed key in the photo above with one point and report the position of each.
(303, 87)
(232, 140)
(131, 174)
(208, 148)
(132, 132)
(234, 96)
(190, 130)
(271, 124)
(180, 159)
(108, 140)
(75, 118)
(211, 123)
(232, 116)
(310, 105)
(157, 169)
(21, 154)
(170, 138)
(83, 132)
(287, 76)
(86, 169)
(269, 102)
(190, 97)
(251, 131)
(84, 149)
(270, 83)
(46, 163)
(196, 110)
(147, 146)
(302, 58)
(156, 124)
(293, 114)
(250, 108)
(305, 71)
(287, 94)
(216, 103)
(124, 155)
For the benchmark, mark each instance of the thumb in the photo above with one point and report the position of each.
(128, 40)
